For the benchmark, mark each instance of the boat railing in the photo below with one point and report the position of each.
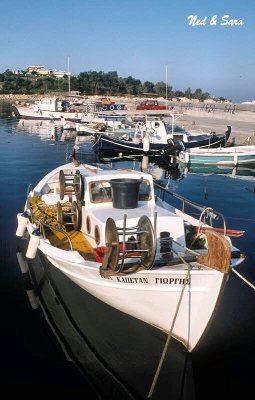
(206, 212)
(42, 224)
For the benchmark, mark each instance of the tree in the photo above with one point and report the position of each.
(148, 87)
(132, 85)
(90, 83)
(178, 93)
(188, 93)
(162, 89)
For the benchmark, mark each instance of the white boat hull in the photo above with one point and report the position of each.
(30, 113)
(157, 292)
(156, 285)
(229, 156)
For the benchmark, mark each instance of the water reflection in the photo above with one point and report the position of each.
(100, 344)
(168, 168)
(46, 129)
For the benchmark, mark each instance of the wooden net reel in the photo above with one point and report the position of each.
(141, 247)
(69, 216)
(70, 184)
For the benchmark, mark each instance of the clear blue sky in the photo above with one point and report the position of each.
(141, 38)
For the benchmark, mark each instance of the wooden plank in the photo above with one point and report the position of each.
(229, 232)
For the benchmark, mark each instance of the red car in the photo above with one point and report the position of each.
(151, 105)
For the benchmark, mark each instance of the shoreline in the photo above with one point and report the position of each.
(194, 115)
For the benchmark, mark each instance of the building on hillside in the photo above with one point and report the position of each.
(39, 69)
(42, 71)
(58, 74)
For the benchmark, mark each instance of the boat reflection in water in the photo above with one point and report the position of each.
(93, 340)
(178, 170)
(45, 129)
(232, 172)
(166, 167)
(157, 166)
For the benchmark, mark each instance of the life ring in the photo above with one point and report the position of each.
(111, 108)
(104, 108)
(119, 107)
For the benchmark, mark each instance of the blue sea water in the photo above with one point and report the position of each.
(33, 360)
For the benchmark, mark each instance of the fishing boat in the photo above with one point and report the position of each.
(228, 156)
(48, 108)
(153, 137)
(149, 268)
(110, 233)
(93, 120)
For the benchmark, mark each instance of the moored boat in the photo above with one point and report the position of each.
(152, 138)
(48, 108)
(114, 236)
(228, 156)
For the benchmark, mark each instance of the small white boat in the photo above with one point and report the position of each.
(112, 125)
(110, 233)
(228, 156)
(49, 108)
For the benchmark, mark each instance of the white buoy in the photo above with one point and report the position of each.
(21, 261)
(146, 144)
(22, 224)
(145, 163)
(33, 244)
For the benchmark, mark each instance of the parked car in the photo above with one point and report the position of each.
(151, 105)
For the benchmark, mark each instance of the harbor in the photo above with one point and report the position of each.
(226, 349)
(208, 116)
(127, 176)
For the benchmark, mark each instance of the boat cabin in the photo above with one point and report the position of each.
(50, 104)
(90, 200)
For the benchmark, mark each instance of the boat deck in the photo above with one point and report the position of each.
(61, 236)
(78, 239)
(47, 214)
